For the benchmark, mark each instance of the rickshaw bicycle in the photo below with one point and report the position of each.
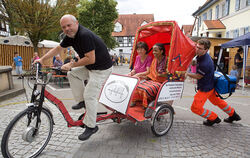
(32, 128)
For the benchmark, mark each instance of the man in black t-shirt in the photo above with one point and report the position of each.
(94, 65)
(238, 61)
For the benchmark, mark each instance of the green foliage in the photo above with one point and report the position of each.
(36, 18)
(99, 17)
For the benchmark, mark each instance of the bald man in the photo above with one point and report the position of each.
(94, 65)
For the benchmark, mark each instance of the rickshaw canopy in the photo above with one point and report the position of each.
(180, 49)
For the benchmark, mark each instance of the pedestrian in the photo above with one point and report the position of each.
(238, 61)
(116, 59)
(18, 63)
(193, 68)
(94, 65)
(121, 59)
(35, 57)
(234, 72)
(205, 86)
(58, 62)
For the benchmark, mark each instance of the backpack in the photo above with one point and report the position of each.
(224, 84)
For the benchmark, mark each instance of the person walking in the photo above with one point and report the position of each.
(18, 62)
(205, 86)
(238, 61)
(94, 65)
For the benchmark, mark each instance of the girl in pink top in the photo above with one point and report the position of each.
(35, 57)
(142, 61)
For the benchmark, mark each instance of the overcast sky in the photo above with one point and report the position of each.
(178, 10)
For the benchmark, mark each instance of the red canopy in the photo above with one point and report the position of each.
(179, 49)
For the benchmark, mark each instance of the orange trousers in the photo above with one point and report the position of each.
(201, 97)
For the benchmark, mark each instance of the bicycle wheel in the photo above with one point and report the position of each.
(31, 79)
(22, 139)
(162, 120)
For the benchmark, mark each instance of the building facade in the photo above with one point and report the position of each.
(4, 29)
(125, 30)
(222, 19)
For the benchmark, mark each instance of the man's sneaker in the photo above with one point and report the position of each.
(210, 123)
(79, 105)
(87, 133)
(230, 119)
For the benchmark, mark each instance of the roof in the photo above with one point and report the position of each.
(130, 23)
(25, 41)
(187, 29)
(205, 6)
(214, 24)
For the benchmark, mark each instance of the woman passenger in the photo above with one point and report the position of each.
(142, 61)
(147, 90)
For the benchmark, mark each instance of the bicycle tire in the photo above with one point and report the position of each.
(25, 142)
(31, 79)
(162, 120)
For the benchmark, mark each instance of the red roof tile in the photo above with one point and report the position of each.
(214, 24)
(130, 23)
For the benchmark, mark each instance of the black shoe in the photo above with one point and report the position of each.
(210, 123)
(79, 105)
(230, 119)
(87, 133)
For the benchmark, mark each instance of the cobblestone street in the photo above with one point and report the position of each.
(188, 137)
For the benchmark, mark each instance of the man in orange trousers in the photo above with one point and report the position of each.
(205, 77)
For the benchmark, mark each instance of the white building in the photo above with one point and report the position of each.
(125, 30)
(222, 18)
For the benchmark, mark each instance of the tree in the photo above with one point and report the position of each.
(99, 16)
(35, 18)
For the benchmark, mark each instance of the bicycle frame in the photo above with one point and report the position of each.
(59, 104)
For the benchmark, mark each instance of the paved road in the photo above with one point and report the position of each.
(187, 138)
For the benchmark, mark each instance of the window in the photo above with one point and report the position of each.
(242, 31)
(248, 2)
(199, 21)
(237, 5)
(246, 30)
(210, 14)
(120, 50)
(144, 23)
(227, 34)
(236, 33)
(217, 12)
(120, 39)
(218, 34)
(129, 40)
(118, 27)
(204, 16)
(226, 8)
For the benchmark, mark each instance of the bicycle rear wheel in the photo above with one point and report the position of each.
(23, 139)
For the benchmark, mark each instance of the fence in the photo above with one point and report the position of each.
(7, 54)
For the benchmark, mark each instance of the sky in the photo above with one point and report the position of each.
(177, 10)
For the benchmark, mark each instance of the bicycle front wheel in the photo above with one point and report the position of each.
(23, 137)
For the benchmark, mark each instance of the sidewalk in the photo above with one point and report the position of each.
(188, 137)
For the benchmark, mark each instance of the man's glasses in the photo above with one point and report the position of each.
(200, 48)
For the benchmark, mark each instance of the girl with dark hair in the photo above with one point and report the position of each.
(146, 91)
(142, 61)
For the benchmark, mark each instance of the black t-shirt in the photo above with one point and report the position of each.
(86, 41)
(238, 64)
